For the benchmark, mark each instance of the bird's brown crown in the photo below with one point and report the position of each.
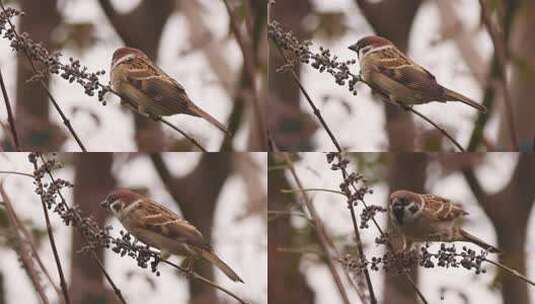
(125, 51)
(124, 195)
(374, 41)
(404, 195)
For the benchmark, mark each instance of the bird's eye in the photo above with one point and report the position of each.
(413, 208)
(365, 50)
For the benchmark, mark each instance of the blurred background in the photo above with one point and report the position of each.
(496, 189)
(223, 195)
(447, 37)
(192, 41)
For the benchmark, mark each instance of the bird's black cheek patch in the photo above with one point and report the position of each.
(398, 214)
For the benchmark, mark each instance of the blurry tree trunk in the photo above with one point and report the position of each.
(289, 127)
(142, 28)
(93, 182)
(393, 19)
(287, 284)
(522, 79)
(196, 195)
(36, 132)
(509, 211)
(406, 172)
(257, 138)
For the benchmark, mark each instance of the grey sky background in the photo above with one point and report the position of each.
(242, 243)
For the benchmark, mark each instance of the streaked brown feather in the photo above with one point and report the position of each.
(158, 218)
(166, 92)
(443, 209)
(394, 64)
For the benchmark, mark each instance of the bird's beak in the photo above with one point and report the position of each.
(353, 47)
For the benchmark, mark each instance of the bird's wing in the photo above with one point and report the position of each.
(159, 86)
(165, 222)
(442, 209)
(393, 64)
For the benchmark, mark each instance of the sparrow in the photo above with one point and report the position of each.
(392, 74)
(136, 78)
(159, 227)
(429, 218)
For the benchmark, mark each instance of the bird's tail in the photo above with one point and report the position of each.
(201, 113)
(472, 238)
(216, 261)
(452, 95)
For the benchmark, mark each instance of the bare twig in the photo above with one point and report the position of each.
(64, 118)
(23, 250)
(10, 117)
(16, 173)
(116, 289)
(53, 245)
(318, 225)
(248, 54)
(199, 277)
(511, 271)
(311, 190)
(191, 139)
(350, 205)
(453, 141)
(130, 105)
(315, 109)
(27, 234)
(500, 48)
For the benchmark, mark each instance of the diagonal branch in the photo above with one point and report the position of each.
(23, 249)
(10, 116)
(500, 48)
(53, 245)
(248, 55)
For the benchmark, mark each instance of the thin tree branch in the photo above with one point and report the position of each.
(500, 48)
(22, 250)
(315, 110)
(10, 117)
(199, 277)
(64, 118)
(191, 139)
(312, 190)
(248, 59)
(131, 106)
(511, 271)
(17, 173)
(53, 245)
(116, 289)
(453, 141)
(318, 225)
